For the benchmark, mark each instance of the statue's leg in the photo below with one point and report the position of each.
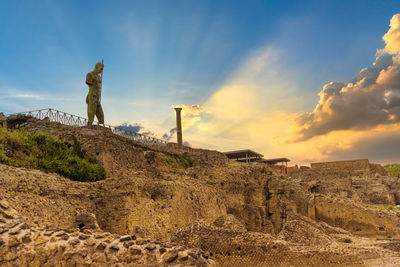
(100, 114)
(91, 110)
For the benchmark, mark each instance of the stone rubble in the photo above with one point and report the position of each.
(23, 243)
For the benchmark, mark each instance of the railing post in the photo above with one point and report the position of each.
(72, 120)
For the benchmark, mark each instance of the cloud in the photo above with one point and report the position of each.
(378, 145)
(252, 109)
(186, 143)
(189, 114)
(260, 90)
(34, 97)
(392, 37)
(135, 128)
(367, 101)
(261, 108)
(27, 96)
(168, 136)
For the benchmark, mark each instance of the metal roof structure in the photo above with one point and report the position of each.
(247, 155)
(274, 161)
(243, 154)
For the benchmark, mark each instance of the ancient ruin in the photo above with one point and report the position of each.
(178, 126)
(250, 156)
(171, 205)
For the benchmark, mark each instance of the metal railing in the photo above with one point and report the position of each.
(72, 120)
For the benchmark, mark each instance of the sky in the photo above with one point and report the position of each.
(307, 80)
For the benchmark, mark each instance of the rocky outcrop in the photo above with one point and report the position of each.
(157, 206)
(374, 189)
(122, 156)
(301, 242)
(231, 211)
(355, 167)
(357, 218)
(23, 243)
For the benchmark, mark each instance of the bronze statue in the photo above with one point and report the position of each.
(94, 81)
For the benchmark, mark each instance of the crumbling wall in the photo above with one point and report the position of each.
(281, 168)
(23, 243)
(377, 168)
(355, 217)
(355, 165)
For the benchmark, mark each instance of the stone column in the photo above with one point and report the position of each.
(178, 125)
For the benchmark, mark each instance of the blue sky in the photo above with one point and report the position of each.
(163, 53)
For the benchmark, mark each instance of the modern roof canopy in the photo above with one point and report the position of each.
(243, 154)
(247, 155)
(274, 161)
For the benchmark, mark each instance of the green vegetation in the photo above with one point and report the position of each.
(382, 206)
(3, 156)
(393, 169)
(180, 161)
(39, 151)
(233, 163)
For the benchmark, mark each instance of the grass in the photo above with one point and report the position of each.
(382, 206)
(180, 161)
(393, 169)
(3, 156)
(233, 163)
(39, 151)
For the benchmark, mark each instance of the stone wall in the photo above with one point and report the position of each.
(355, 217)
(280, 168)
(377, 168)
(354, 165)
(23, 243)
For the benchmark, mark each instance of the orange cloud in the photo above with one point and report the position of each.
(254, 109)
(363, 103)
(190, 114)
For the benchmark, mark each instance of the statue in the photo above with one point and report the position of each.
(3, 120)
(94, 81)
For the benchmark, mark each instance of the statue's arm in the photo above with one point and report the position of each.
(89, 79)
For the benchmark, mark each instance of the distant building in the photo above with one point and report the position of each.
(247, 155)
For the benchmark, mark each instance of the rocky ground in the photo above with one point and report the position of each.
(23, 243)
(152, 210)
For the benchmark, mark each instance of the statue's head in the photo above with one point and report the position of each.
(99, 67)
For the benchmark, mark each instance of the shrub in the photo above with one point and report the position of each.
(3, 156)
(185, 160)
(50, 155)
(180, 161)
(393, 169)
(77, 148)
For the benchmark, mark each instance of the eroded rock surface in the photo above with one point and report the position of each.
(231, 211)
(23, 243)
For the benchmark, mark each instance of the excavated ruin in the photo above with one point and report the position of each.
(171, 205)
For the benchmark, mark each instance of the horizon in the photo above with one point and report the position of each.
(305, 80)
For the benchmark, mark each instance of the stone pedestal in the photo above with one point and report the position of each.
(98, 127)
(3, 120)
